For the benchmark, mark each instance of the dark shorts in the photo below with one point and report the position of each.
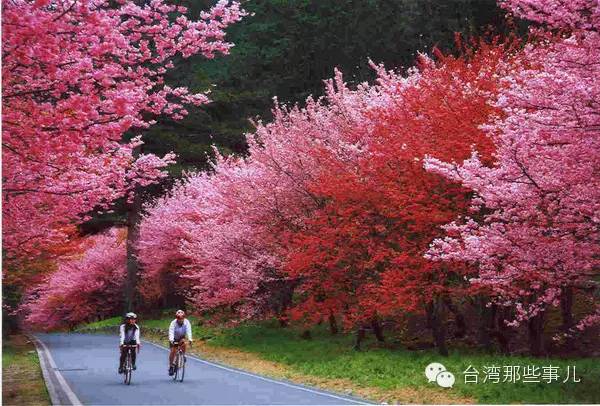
(130, 342)
(175, 344)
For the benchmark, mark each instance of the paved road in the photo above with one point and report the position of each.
(88, 365)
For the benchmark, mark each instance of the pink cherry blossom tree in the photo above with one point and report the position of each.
(539, 237)
(223, 232)
(85, 286)
(76, 76)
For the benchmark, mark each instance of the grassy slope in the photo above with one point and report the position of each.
(22, 381)
(393, 374)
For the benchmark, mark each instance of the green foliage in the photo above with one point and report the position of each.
(333, 357)
(162, 323)
(286, 48)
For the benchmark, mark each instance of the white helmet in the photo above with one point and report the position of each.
(131, 315)
(179, 313)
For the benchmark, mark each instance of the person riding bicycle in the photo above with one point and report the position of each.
(129, 334)
(178, 330)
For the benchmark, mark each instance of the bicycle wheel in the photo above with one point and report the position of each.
(181, 366)
(176, 366)
(128, 368)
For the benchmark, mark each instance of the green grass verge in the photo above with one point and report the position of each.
(162, 322)
(332, 357)
(22, 380)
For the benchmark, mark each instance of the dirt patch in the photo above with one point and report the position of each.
(22, 380)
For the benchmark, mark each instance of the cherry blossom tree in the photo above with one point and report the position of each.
(226, 227)
(85, 285)
(574, 14)
(76, 76)
(360, 255)
(539, 237)
(258, 227)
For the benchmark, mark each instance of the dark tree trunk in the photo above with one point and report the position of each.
(283, 320)
(333, 328)
(501, 331)
(360, 336)
(535, 328)
(566, 307)
(459, 319)
(436, 321)
(377, 330)
(487, 318)
(282, 296)
(492, 327)
(134, 214)
(133, 219)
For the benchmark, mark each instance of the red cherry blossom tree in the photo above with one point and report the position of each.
(303, 201)
(360, 256)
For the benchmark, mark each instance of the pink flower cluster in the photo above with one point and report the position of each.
(76, 75)
(540, 232)
(85, 286)
(222, 232)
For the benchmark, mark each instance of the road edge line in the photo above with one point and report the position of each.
(264, 378)
(64, 386)
(52, 391)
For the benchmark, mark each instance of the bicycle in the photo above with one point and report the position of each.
(128, 367)
(179, 364)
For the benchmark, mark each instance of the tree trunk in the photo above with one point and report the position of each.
(377, 330)
(459, 319)
(535, 327)
(333, 328)
(566, 307)
(435, 318)
(487, 318)
(133, 218)
(502, 332)
(360, 336)
(283, 320)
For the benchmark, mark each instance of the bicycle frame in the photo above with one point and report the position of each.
(179, 363)
(128, 367)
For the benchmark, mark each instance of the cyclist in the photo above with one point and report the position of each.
(129, 334)
(178, 330)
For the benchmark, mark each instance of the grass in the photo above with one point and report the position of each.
(162, 322)
(327, 356)
(393, 375)
(22, 380)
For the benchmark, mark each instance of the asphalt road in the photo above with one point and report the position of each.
(88, 365)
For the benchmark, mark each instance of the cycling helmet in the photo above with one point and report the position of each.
(179, 313)
(131, 315)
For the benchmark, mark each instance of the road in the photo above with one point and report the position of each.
(82, 368)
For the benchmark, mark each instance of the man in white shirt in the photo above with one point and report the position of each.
(179, 329)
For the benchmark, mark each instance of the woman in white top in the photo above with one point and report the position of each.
(129, 334)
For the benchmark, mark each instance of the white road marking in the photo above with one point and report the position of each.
(264, 378)
(43, 350)
(52, 391)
